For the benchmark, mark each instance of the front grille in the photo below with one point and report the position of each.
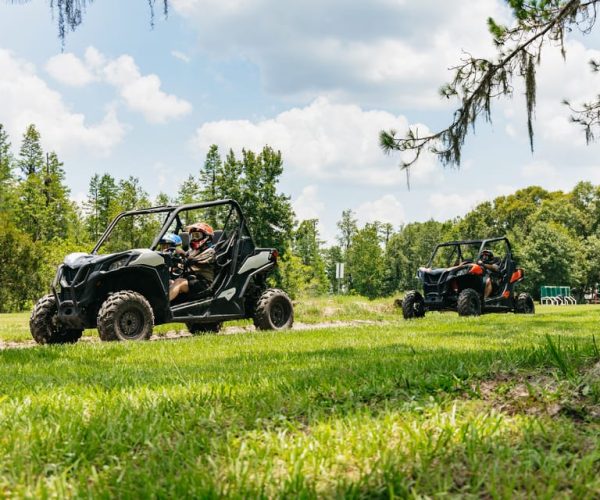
(68, 274)
(432, 279)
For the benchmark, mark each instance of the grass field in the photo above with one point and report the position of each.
(498, 406)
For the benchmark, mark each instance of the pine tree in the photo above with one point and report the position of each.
(189, 191)
(252, 181)
(307, 246)
(6, 176)
(31, 155)
(208, 175)
(31, 201)
(59, 210)
(348, 228)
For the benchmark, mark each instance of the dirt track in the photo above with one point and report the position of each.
(230, 330)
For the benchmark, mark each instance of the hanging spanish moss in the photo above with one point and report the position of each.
(69, 14)
(477, 82)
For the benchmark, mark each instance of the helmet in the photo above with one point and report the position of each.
(487, 255)
(200, 234)
(200, 227)
(173, 240)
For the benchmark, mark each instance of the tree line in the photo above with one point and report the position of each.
(555, 235)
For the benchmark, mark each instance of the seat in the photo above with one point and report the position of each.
(223, 248)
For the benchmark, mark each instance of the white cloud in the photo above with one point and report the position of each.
(392, 53)
(539, 170)
(557, 79)
(26, 98)
(69, 70)
(308, 205)
(324, 141)
(445, 206)
(141, 93)
(386, 209)
(181, 56)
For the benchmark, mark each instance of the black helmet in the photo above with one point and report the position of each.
(487, 255)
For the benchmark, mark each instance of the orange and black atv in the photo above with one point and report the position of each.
(458, 275)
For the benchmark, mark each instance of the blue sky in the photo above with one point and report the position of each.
(316, 79)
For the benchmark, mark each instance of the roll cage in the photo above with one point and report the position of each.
(172, 213)
(459, 244)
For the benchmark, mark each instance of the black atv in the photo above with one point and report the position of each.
(455, 280)
(122, 287)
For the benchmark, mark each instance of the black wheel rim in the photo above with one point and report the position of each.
(417, 308)
(279, 314)
(131, 323)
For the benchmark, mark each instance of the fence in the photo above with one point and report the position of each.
(556, 295)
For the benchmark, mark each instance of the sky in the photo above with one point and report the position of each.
(316, 79)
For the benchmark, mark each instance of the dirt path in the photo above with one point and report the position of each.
(230, 330)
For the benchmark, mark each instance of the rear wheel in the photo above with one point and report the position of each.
(469, 303)
(525, 304)
(199, 328)
(44, 326)
(413, 305)
(274, 311)
(125, 315)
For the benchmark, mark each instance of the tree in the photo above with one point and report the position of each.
(252, 181)
(20, 270)
(549, 256)
(6, 175)
(31, 202)
(307, 246)
(478, 81)
(411, 248)
(365, 262)
(348, 228)
(31, 154)
(208, 188)
(332, 256)
(189, 191)
(59, 213)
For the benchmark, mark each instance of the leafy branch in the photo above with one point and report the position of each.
(478, 81)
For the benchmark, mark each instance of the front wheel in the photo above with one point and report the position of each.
(413, 305)
(274, 311)
(44, 326)
(525, 304)
(125, 315)
(469, 303)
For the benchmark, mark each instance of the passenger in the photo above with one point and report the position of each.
(199, 270)
(491, 266)
(171, 242)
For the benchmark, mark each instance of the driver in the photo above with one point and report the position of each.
(490, 265)
(199, 262)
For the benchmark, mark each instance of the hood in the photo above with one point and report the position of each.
(79, 259)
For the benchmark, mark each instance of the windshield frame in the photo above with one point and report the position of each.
(482, 244)
(172, 212)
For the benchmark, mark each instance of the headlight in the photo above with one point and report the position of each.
(117, 264)
(462, 272)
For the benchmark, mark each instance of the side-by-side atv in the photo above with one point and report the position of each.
(122, 286)
(460, 274)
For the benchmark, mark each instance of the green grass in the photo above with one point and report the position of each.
(498, 406)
